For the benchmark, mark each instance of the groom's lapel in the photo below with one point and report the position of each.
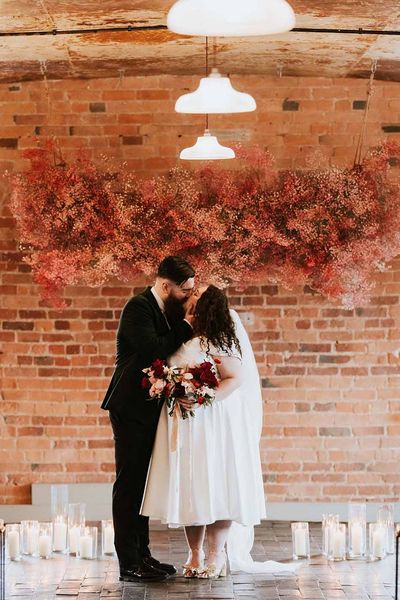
(160, 317)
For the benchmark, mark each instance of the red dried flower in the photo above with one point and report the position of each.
(330, 229)
(146, 383)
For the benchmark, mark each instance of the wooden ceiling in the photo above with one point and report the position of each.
(148, 48)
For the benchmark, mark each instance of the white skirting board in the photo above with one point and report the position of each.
(97, 497)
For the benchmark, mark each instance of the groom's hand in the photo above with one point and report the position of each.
(190, 306)
(189, 318)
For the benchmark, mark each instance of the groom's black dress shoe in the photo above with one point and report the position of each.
(150, 561)
(143, 573)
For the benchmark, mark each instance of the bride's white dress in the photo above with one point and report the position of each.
(214, 473)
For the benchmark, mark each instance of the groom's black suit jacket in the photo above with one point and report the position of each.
(143, 335)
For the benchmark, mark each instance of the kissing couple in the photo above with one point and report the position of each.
(209, 479)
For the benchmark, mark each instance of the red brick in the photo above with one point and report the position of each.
(352, 389)
(30, 431)
(107, 443)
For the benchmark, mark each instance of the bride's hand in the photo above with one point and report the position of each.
(190, 306)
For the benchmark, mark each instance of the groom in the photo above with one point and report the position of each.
(153, 325)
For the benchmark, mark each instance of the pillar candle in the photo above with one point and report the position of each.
(300, 542)
(85, 546)
(60, 535)
(74, 539)
(13, 544)
(32, 536)
(44, 546)
(356, 538)
(108, 540)
(339, 543)
(378, 542)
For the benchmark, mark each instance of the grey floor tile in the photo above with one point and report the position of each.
(317, 579)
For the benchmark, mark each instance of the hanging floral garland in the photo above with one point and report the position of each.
(83, 223)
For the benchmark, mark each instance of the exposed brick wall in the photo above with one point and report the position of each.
(331, 382)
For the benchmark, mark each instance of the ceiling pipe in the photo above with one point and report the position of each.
(359, 31)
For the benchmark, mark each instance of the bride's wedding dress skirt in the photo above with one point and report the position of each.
(214, 473)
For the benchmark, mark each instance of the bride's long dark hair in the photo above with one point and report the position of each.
(213, 322)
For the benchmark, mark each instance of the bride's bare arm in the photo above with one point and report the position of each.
(230, 370)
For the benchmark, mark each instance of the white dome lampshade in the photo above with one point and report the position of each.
(230, 17)
(207, 147)
(215, 94)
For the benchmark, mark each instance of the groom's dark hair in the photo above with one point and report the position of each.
(176, 269)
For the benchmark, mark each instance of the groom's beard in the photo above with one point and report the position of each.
(174, 310)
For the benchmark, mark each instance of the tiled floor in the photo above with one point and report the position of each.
(63, 578)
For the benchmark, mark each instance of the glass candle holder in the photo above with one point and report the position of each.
(357, 511)
(300, 540)
(45, 540)
(390, 539)
(377, 541)
(107, 537)
(337, 546)
(328, 523)
(30, 537)
(13, 541)
(357, 517)
(357, 539)
(60, 534)
(76, 522)
(87, 547)
(386, 518)
(59, 501)
(59, 515)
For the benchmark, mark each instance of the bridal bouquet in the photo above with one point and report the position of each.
(170, 384)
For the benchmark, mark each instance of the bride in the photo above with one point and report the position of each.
(210, 481)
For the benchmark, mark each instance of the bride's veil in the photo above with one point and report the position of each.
(241, 538)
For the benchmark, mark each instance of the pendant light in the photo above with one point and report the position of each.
(215, 94)
(230, 17)
(207, 147)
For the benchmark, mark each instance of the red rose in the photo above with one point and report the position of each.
(205, 366)
(200, 400)
(195, 371)
(158, 368)
(209, 379)
(146, 383)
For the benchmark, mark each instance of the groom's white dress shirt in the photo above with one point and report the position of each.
(160, 303)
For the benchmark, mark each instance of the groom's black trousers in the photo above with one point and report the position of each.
(133, 445)
(143, 335)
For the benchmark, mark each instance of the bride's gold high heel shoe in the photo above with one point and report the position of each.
(214, 571)
(190, 571)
